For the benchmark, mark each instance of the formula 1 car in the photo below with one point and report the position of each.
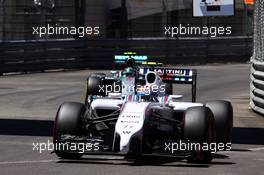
(133, 113)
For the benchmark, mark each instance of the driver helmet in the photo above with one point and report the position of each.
(130, 62)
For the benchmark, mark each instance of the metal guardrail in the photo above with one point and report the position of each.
(29, 56)
(257, 86)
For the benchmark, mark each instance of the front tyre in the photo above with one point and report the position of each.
(68, 122)
(199, 129)
(223, 115)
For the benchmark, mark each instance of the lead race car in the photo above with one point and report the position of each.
(133, 113)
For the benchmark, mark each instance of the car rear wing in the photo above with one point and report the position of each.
(175, 75)
(120, 60)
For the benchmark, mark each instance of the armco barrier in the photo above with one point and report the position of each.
(257, 86)
(28, 56)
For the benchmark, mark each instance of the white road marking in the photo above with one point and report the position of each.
(257, 149)
(15, 143)
(27, 162)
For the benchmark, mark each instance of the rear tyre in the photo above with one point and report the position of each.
(168, 88)
(223, 115)
(68, 122)
(199, 128)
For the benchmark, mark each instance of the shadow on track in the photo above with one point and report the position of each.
(144, 161)
(25, 127)
(252, 136)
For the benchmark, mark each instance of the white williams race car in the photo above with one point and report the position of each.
(133, 113)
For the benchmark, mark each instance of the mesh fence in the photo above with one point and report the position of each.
(133, 18)
(259, 31)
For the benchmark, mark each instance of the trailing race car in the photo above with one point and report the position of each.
(133, 113)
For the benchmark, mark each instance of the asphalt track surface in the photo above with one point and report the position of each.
(28, 104)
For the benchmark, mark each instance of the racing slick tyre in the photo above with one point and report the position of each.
(199, 129)
(168, 88)
(223, 116)
(68, 122)
(93, 84)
